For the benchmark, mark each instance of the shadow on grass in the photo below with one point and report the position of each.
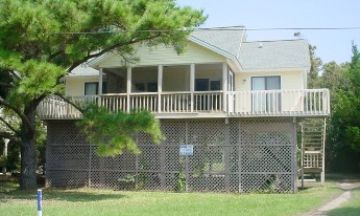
(346, 211)
(306, 188)
(310, 188)
(343, 177)
(61, 195)
(9, 190)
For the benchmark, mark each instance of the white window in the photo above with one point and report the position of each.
(266, 101)
(91, 88)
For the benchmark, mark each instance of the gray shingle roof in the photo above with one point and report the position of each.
(226, 39)
(84, 70)
(258, 54)
(274, 54)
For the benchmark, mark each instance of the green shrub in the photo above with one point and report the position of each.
(127, 182)
(180, 182)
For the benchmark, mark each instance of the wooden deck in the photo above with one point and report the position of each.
(209, 104)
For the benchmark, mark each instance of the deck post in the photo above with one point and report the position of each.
(227, 153)
(128, 87)
(5, 153)
(322, 175)
(294, 148)
(100, 84)
(192, 86)
(89, 165)
(224, 85)
(162, 166)
(187, 157)
(302, 155)
(100, 90)
(240, 157)
(159, 86)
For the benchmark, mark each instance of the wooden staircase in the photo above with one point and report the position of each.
(313, 134)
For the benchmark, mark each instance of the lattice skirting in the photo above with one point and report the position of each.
(240, 155)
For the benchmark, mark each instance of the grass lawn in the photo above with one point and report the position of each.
(91, 202)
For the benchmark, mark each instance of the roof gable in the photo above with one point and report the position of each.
(164, 55)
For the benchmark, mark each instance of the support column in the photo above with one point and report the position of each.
(293, 155)
(162, 166)
(240, 157)
(128, 87)
(302, 156)
(100, 87)
(89, 165)
(227, 152)
(187, 157)
(6, 142)
(162, 146)
(322, 175)
(138, 182)
(224, 85)
(100, 90)
(159, 86)
(102, 179)
(192, 86)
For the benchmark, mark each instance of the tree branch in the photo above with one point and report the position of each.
(15, 75)
(18, 112)
(7, 135)
(9, 126)
(7, 85)
(70, 102)
(77, 63)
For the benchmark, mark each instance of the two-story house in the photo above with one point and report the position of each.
(229, 110)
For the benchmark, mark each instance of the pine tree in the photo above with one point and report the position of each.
(41, 41)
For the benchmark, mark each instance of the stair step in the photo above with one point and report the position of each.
(310, 180)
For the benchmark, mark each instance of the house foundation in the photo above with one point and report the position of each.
(228, 155)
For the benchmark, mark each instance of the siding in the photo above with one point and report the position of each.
(166, 56)
(75, 85)
(289, 80)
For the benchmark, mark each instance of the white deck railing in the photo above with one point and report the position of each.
(172, 102)
(313, 159)
(304, 102)
(280, 102)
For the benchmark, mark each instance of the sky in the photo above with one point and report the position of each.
(331, 45)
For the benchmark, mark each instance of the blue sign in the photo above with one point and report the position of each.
(186, 150)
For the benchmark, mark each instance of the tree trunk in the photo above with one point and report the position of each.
(28, 164)
(28, 152)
